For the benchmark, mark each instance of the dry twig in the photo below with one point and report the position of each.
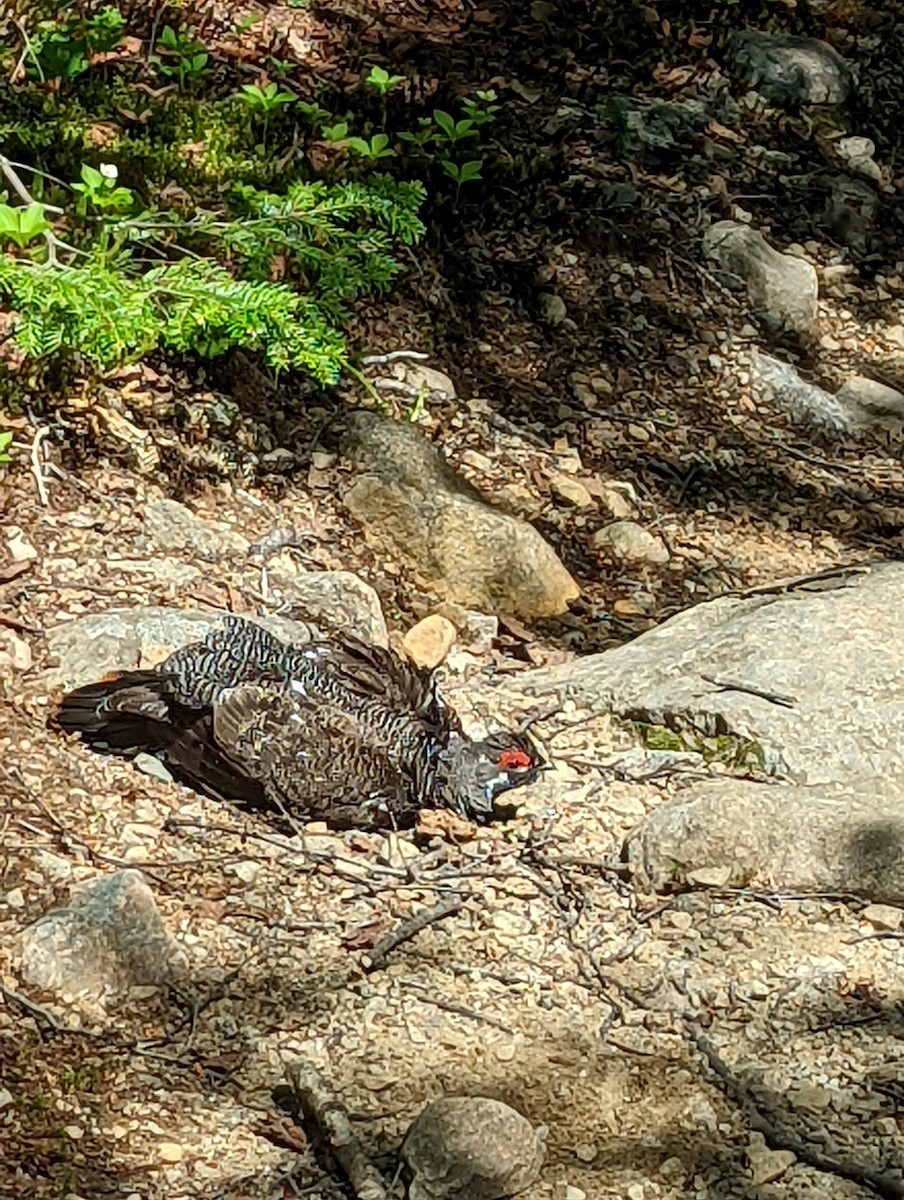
(779, 1137)
(378, 956)
(332, 1127)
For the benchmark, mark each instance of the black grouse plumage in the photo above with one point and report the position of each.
(335, 730)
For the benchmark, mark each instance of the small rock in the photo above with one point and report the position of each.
(397, 852)
(570, 491)
(19, 546)
(895, 335)
(767, 1165)
(636, 1191)
(107, 939)
(857, 153)
(790, 69)
(585, 1152)
(471, 1148)
(171, 1152)
(333, 599)
(150, 764)
(429, 641)
(245, 870)
(882, 916)
(418, 376)
(279, 459)
(15, 898)
(570, 1192)
(781, 286)
(15, 652)
(553, 308)
(172, 526)
(681, 920)
(757, 989)
(54, 866)
(5, 1097)
(716, 877)
(476, 630)
(876, 398)
(413, 506)
(629, 542)
(321, 461)
(616, 502)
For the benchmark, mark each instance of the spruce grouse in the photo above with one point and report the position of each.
(334, 730)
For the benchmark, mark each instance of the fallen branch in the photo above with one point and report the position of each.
(779, 1137)
(378, 956)
(333, 1131)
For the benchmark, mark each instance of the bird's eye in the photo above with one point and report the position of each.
(513, 758)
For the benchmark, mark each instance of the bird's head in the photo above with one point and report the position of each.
(478, 772)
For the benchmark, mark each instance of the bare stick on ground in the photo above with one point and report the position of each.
(779, 1137)
(332, 1127)
(409, 929)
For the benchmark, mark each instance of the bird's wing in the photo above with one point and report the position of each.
(311, 761)
(373, 672)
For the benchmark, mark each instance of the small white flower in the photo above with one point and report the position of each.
(109, 170)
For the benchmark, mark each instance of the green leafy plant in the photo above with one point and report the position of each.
(451, 130)
(461, 173)
(372, 148)
(314, 114)
(6, 440)
(180, 56)
(335, 133)
(482, 109)
(23, 224)
(264, 99)
(379, 80)
(98, 189)
(62, 49)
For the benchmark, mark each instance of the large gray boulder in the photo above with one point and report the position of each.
(412, 505)
(790, 69)
(774, 837)
(782, 288)
(108, 938)
(837, 654)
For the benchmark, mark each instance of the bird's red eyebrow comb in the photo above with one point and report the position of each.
(514, 758)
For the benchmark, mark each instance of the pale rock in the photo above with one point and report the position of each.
(170, 1152)
(781, 286)
(429, 641)
(553, 308)
(6, 1097)
(570, 491)
(882, 916)
(279, 459)
(15, 898)
(332, 600)
(434, 382)
(54, 866)
(895, 335)
(414, 506)
(108, 939)
(245, 870)
(768, 1165)
(476, 630)
(616, 502)
(150, 764)
(172, 526)
(15, 652)
(585, 1152)
(715, 877)
(397, 852)
(125, 638)
(321, 461)
(626, 541)
(20, 548)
